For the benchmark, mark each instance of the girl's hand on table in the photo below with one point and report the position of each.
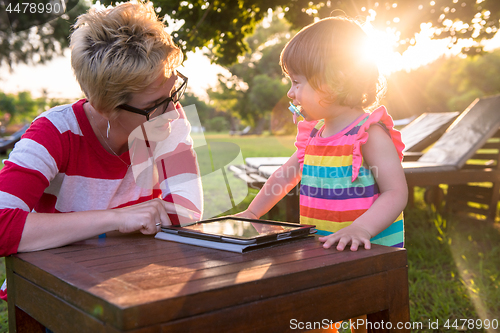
(355, 235)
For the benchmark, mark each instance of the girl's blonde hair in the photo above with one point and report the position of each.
(330, 54)
(119, 51)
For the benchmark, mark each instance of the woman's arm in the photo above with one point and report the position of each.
(35, 162)
(276, 187)
(381, 155)
(47, 230)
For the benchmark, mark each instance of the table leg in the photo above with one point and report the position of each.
(398, 312)
(375, 321)
(19, 321)
(25, 323)
(292, 205)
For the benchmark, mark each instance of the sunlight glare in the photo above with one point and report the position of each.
(422, 50)
(252, 274)
(380, 48)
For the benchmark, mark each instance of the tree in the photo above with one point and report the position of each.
(225, 98)
(448, 84)
(7, 107)
(32, 34)
(204, 111)
(223, 25)
(466, 80)
(256, 85)
(265, 94)
(20, 108)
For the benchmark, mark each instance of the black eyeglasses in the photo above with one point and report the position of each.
(161, 108)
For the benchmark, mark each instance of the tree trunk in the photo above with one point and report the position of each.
(259, 127)
(234, 123)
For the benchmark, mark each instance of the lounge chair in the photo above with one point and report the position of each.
(424, 131)
(8, 142)
(255, 173)
(467, 153)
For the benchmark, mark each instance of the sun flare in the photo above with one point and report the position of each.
(423, 49)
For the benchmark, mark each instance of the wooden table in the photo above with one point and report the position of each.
(136, 283)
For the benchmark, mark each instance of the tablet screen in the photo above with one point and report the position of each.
(238, 228)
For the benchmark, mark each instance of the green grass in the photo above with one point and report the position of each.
(257, 146)
(439, 287)
(453, 262)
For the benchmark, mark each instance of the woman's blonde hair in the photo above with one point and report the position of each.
(119, 51)
(330, 53)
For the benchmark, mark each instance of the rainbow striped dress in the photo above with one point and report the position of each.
(336, 188)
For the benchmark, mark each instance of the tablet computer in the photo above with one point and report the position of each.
(238, 230)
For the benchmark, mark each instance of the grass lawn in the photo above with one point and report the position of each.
(257, 146)
(453, 263)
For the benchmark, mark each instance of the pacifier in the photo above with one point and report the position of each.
(296, 112)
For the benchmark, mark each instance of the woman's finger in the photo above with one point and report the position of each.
(160, 213)
(173, 208)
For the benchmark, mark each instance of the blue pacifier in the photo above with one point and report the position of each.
(296, 112)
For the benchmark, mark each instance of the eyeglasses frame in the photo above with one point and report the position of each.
(170, 98)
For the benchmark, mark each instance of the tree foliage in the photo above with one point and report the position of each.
(448, 84)
(256, 87)
(464, 80)
(223, 25)
(23, 108)
(204, 111)
(27, 37)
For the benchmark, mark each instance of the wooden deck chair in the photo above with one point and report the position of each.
(467, 153)
(424, 131)
(8, 142)
(258, 162)
(257, 170)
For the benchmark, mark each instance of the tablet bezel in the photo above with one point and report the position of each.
(302, 230)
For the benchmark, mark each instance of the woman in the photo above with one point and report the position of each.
(74, 159)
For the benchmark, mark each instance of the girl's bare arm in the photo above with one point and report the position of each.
(277, 186)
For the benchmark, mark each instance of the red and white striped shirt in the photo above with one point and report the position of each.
(59, 166)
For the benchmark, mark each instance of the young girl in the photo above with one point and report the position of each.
(348, 160)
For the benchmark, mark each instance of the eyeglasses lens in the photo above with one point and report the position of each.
(159, 110)
(178, 90)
